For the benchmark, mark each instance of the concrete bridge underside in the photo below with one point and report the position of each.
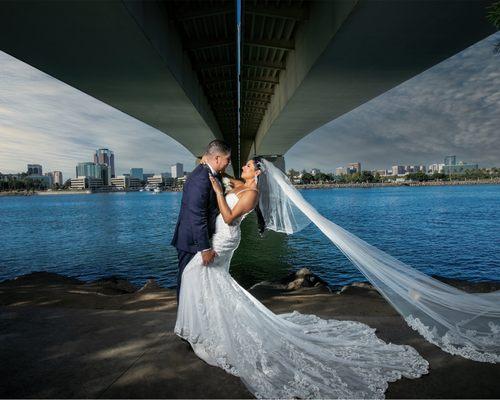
(172, 64)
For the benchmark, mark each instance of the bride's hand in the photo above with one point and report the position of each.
(215, 185)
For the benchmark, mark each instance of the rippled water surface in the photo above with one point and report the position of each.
(449, 231)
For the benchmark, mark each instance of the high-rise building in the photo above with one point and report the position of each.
(450, 160)
(56, 177)
(433, 168)
(398, 170)
(137, 173)
(34, 169)
(177, 170)
(93, 170)
(106, 157)
(459, 168)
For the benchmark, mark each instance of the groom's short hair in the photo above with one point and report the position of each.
(218, 147)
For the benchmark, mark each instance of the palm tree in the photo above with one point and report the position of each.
(493, 16)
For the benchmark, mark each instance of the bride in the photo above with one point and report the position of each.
(288, 355)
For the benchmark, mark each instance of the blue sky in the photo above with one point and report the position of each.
(452, 108)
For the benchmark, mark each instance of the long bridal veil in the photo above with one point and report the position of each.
(460, 323)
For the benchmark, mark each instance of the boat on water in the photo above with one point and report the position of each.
(157, 190)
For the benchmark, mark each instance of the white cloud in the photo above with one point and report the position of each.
(45, 121)
(452, 108)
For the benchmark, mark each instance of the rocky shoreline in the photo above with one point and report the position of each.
(61, 337)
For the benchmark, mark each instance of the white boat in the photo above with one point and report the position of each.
(157, 190)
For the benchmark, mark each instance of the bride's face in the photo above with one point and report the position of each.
(248, 170)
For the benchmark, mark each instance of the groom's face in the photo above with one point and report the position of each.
(222, 161)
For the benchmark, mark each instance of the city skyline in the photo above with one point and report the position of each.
(177, 169)
(452, 108)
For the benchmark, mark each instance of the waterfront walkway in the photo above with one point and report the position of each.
(63, 339)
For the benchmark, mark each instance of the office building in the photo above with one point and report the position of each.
(435, 168)
(34, 169)
(106, 157)
(340, 171)
(56, 177)
(125, 182)
(156, 180)
(398, 170)
(137, 173)
(450, 160)
(354, 167)
(44, 180)
(459, 168)
(93, 170)
(177, 170)
(86, 182)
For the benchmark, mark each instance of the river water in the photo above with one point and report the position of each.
(451, 231)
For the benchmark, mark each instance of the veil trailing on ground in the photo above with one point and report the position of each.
(460, 323)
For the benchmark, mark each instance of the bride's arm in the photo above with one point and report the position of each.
(246, 203)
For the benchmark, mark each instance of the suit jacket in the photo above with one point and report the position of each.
(196, 222)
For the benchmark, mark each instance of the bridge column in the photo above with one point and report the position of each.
(277, 160)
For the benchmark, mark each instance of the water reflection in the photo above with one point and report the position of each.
(258, 259)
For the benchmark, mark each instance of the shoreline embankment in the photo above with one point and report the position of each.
(495, 181)
(365, 185)
(61, 337)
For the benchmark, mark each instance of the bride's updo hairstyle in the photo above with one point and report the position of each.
(257, 162)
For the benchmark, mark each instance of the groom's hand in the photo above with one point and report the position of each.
(208, 256)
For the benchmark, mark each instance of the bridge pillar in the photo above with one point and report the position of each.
(277, 160)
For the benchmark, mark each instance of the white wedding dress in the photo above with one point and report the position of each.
(286, 355)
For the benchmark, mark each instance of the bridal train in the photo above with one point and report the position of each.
(286, 355)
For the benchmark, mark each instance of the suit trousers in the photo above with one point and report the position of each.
(184, 258)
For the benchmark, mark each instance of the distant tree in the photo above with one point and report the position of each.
(321, 177)
(438, 176)
(307, 177)
(419, 176)
(67, 184)
(493, 16)
(366, 176)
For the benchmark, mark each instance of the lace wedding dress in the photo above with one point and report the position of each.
(286, 355)
(281, 355)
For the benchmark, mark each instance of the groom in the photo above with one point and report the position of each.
(196, 222)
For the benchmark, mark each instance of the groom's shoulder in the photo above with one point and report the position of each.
(199, 173)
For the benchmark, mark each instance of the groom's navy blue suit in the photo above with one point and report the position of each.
(196, 222)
